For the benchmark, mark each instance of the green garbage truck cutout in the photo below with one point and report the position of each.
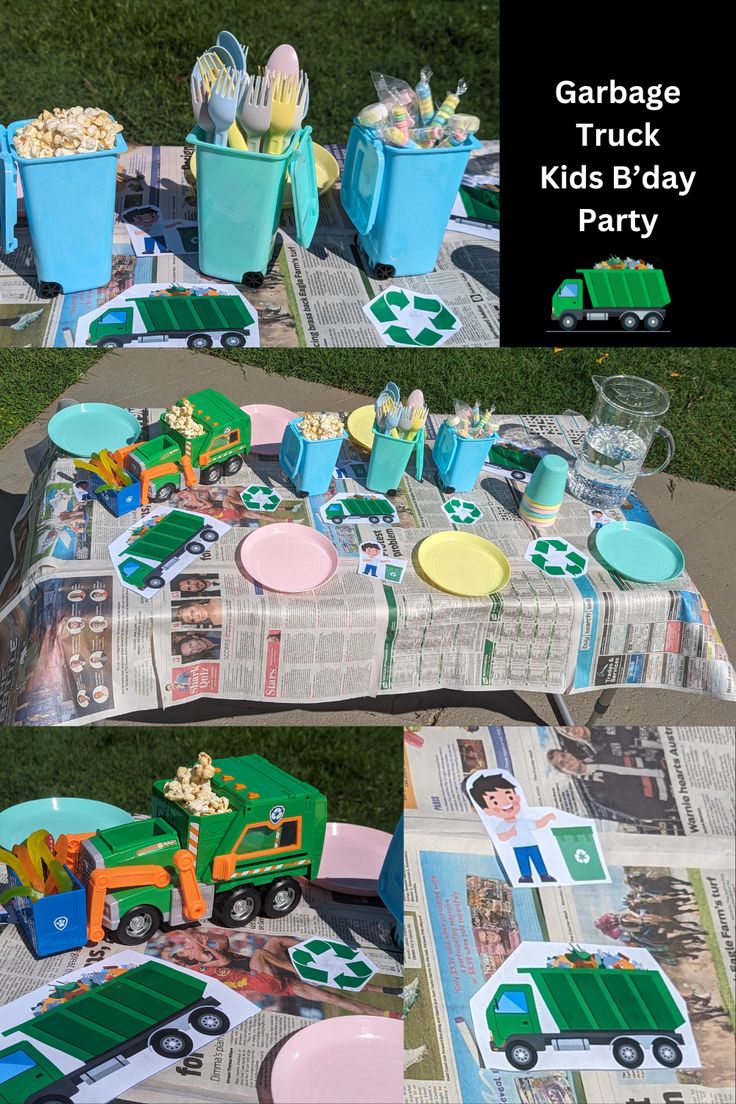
(632, 296)
(360, 508)
(161, 545)
(200, 319)
(151, 1005)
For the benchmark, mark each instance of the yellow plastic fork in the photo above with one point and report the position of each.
(283, 111)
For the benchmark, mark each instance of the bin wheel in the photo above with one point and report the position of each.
(110, 343)
(629, 321)
(195, 547)
(446, 490)
(281, 898)
(170, 1043)
(232, 340)
(302, 494)
(628, 1053)
(162, 494)
(238, 907)
(392, 494)
(209, 536)
(49, 290)
(667, 1052)
(212, 474)
(253, 279)
(233, 465)
(521, 1055)
(568, 321)
(210, 1021)
(138, 924)
(383, 271)
(653, 321)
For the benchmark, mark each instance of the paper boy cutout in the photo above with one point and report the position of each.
(535, 845)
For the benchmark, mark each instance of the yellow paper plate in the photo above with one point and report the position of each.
(327, 169)
(360, 426)
(462, 563)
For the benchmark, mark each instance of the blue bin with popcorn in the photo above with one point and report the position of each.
(70, 207)
(310, 465)
(400, 199)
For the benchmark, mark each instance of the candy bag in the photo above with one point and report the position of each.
(450, 102)
(424, 96)
(391, 90)
(372, 115)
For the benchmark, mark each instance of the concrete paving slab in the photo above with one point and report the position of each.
(700, 517)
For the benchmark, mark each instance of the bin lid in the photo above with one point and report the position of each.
(292, 446)
(8, 196)
(361, 179)
(304, 194)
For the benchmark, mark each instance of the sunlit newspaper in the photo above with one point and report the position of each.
(253, 961)
(310, 297)
(216, 633)
(663, 801)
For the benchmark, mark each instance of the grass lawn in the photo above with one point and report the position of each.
(133, 57)
(700, 382)
(360, 770)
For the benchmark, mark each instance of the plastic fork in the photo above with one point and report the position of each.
(224, 98)
(392, 419)
(207, 66)
(406, 420)
(199, 104)
(284, 111)
(254, 114)
(419, 418)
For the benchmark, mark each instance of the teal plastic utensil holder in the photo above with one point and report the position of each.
(389, 459)
(308, 464)
(239, 199)
(70, 206)
(459, 460)
(399, 200)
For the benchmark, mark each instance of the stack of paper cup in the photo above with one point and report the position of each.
(544, 492)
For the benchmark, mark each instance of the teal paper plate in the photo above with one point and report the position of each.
(57, 814)
(639, 552)
(85, 428)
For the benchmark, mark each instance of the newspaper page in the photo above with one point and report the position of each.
(255, 962)
(216, 632)
(312, 297)
(673, 897)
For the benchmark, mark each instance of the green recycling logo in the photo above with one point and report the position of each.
(557, 558)
(403, 317)
(258, 497)
(462, 512)
(332, 963)
(582, 856)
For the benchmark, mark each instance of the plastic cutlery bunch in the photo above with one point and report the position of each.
(469, 421)
(397, 419)
(39, 869)
(259, 112)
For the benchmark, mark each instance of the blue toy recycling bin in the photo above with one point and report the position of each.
(55, 923)
(309, 464)
(70, 206)
(399, 200)
(391, 881)
(389, 457)
(459, 460)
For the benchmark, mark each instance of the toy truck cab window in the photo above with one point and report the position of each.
(568, 291)
(114, 318)
(264, 838)
(512, 1001)
(14, 1064)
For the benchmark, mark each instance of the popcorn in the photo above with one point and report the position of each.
(191, 788)
(321, 427)
(179, 417)
(66, 131)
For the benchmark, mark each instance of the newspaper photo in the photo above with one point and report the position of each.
(673, 898)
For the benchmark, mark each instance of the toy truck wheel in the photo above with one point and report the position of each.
(155, 582)
(281, 898)
(373, 519)
(195, 547)
(568, 321)
(253, 279)
(629, 321)
(199, 341)
(653, 321)
(522, 1056)
(627, 1053)
(170, 1043)
(667, 1053)
(387, 518)
(233, 465)
(212, 474)
(383, 271)
(138, 925)
(232, 340)
(210, 1021)
(55, 1099)
(238, 907)
(209, 536)
(110, 343)
(161, 494)
(337, 520)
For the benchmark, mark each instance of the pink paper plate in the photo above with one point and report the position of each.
(343, 1060)
(267, 427)
(287, 557)
(352, 859)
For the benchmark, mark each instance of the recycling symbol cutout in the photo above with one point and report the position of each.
(462, 512)
(331, 963)
(582, 856)
(405, 318)
(258, 497)
(556, 557)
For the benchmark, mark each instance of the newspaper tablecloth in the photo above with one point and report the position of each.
(238, 1066)
(355, 636)
(310, 297)
(666, 825)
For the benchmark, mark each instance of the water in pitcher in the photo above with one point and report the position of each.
(610, 460)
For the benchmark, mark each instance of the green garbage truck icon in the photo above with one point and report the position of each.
(630, 296)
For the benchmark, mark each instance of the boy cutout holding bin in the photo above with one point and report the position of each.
(497, 798)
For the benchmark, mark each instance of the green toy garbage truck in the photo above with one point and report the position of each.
(626, 1009)
(372, 510)
(161, 544)
(147, 1006)
(179, 867)
(198, 318)
(632, 295)
(161, 463)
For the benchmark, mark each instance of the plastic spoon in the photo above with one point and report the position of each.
(284, 60)
(238, 53)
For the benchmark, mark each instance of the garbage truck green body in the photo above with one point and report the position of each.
(368, 509)
(200, 319)
(629, 295)
(628, 1009)
(150, 1005)
(161, 544)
